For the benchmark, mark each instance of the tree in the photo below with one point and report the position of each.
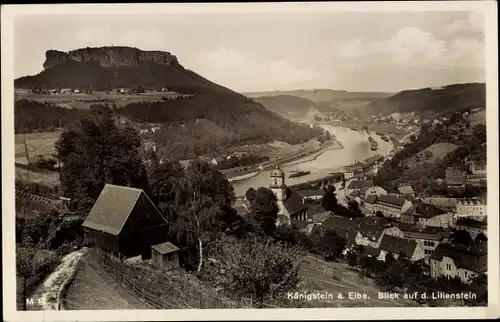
(328, 244)
(25, 264)
(264, 209)
(254, 267)
(354, 209)
(480, 237)
(164, 182)
(329, 200)
(96, 152)
(462, 237)
(204, 198)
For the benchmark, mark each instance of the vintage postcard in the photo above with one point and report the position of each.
(250, 161)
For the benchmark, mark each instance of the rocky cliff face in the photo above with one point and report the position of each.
(109, 57)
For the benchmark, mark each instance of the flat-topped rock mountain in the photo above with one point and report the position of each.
(107, 68)
(109, 57)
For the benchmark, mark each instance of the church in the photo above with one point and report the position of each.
(290, 203)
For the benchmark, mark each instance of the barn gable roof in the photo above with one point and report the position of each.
(112, 208)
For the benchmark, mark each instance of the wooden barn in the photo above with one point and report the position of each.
(124, 222)
(165, 255)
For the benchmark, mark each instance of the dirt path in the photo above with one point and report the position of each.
(49, 292)
(93, 288)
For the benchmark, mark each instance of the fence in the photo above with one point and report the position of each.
(165, 296)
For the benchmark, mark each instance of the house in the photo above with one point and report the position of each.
(240, 207)
(143, 131)
(311, 195)
(185, 163)
(314, 209)
(205, 159)
(454, 260)
(65, 90)
(400, 248)
(427, 237)
(155, 128)
(357, 185)
(319, 218)
(312, 229)
(443, 203)
(372, 235)
(391, 206)
(406, 190)
(431, 216)
(76, 91)
(290, 203)
(124, 222)
(368, 206)
(475, 208)
(455, 176)
(218, 160)
(348, 175)
(473, 227)
(365, 192)
(165, 255)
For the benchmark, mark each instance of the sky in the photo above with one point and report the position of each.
(355, 51)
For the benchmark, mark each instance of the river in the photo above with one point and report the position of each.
(356, 148)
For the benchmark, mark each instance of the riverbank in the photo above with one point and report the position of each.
(296, 157)
(378, 128)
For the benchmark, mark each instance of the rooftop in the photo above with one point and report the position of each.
(398, 245)
(165, 248)
(474, 259)
(392, 200)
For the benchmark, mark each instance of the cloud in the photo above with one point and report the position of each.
(223, 64)
(472, 24)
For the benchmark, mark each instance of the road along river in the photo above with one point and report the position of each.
(356, 148)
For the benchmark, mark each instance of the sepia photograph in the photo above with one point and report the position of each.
(247, 161)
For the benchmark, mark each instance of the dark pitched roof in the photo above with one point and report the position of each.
(472, 259)
(165, 248)
(293, 203)
(310, 193)
(112, 208)
(359, 184)
(320, 217)
(371, 251)
(392, 200)
(355, 193)
(405, 190)
(398, 245)
(371, 199)
(442, 202)
(471, 201)
(314, 208)
(471, 223)
(299, 224)
(425, 210)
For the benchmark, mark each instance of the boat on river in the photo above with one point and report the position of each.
(385, 138)
(296, 174)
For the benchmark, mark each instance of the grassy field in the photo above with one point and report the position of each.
(83, 101)
(335, 278)
(478, 118)
(25, 175)
(42, 143)
(94, 289)
(439, 150)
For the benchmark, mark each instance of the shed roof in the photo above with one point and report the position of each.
(165, 248)
(112, 209)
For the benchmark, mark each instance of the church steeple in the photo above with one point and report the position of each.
(278, 183)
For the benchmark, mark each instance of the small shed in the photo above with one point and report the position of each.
(165, 255)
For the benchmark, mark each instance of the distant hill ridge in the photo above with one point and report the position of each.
(456, 96)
